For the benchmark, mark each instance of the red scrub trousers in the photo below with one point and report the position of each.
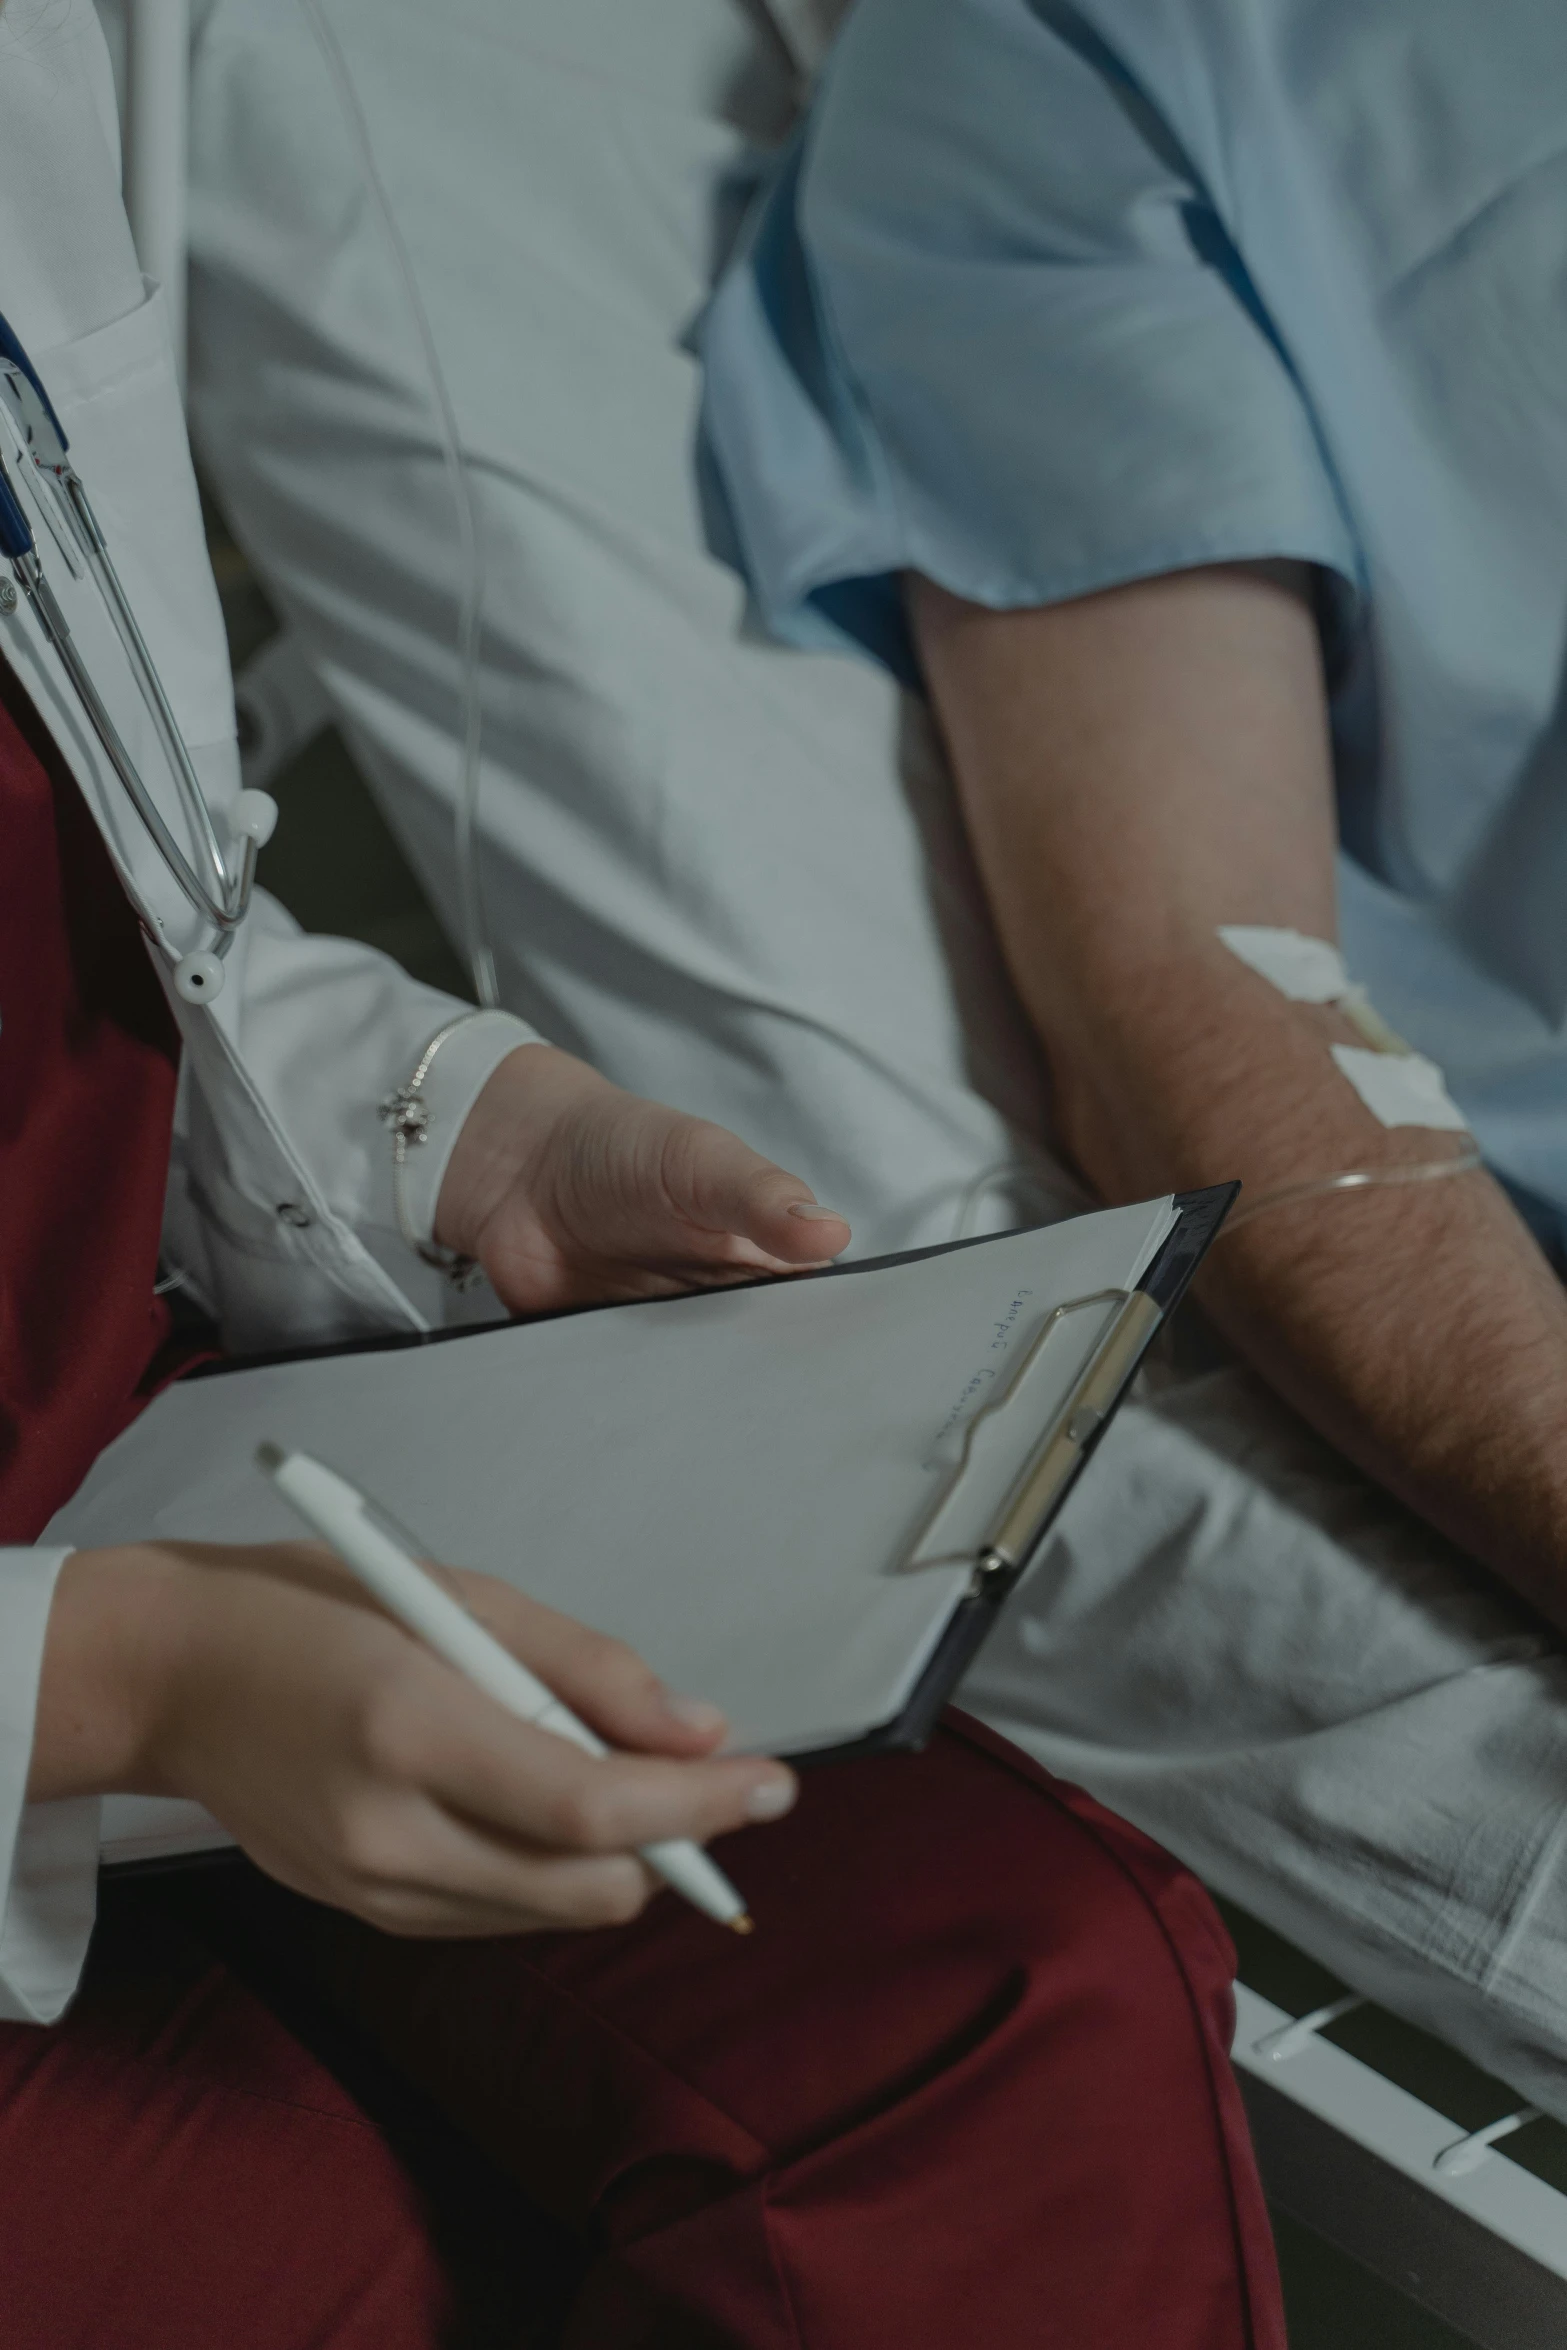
(967, 2083)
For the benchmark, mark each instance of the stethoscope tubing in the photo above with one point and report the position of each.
(223, 901)
(30, 575)
(232, 891)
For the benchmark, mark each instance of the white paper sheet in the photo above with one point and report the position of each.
(728, 1481)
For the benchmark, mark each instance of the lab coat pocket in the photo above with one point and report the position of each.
(118, 398)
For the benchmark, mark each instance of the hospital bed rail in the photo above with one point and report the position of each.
(1467, 2216)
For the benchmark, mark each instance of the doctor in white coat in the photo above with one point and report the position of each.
(281, 1217)
(860, 2129)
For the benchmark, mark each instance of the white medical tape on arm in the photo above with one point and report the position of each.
(1307, 970)
(1398, 1085)
(1402, 1089)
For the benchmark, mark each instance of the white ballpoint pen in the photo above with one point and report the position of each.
(394, 1574)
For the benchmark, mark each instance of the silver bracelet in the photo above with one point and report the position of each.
(406, 1116)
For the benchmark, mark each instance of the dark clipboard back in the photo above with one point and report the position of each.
(1199, 1216)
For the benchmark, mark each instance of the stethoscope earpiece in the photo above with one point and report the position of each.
(198, 978)
(254, 817)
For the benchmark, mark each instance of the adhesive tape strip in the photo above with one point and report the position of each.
(1402, 1089)
(1398, 1086)
(1310, 971)
(1307, 970)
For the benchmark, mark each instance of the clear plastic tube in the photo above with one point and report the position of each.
(1290, 1195)
(1019, 1174)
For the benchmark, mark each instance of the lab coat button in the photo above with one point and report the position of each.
(290, 1212)
(7, 596)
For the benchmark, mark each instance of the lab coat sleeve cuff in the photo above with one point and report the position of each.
(454, 1081)
(48, 1851)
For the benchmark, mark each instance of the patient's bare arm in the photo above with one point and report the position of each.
(1136, 768)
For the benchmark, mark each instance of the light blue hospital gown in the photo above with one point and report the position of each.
(1048, 297)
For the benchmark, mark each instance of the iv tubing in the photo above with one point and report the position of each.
(1353, 1179)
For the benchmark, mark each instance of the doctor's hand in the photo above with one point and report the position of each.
(358, 1768)
(568, 1190)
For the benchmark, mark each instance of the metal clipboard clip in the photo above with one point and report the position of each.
(999, 1542)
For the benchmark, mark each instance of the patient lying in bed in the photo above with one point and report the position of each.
(739, 870)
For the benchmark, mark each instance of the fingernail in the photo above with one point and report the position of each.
(695, 1712)
(809, 1213)
(771, 1799)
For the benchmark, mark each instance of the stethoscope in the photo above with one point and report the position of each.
(218, 891)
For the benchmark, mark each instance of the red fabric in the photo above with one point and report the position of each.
(88, 1058)
(176, 2173)
(968, 2082)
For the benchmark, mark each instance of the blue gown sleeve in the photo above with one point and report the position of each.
(986, 324)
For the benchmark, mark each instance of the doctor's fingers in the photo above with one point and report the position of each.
(408, 1866)
(513, 1781)
(718, 1184)
(601, 1680)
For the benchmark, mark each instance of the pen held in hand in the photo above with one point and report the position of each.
(347, 1521)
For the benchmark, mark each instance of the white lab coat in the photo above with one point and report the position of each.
(280, 1210)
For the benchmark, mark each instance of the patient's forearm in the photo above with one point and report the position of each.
(1418, 1327)
(1136, 769)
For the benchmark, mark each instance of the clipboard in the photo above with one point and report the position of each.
(1016, 1532)
(985, 1504)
